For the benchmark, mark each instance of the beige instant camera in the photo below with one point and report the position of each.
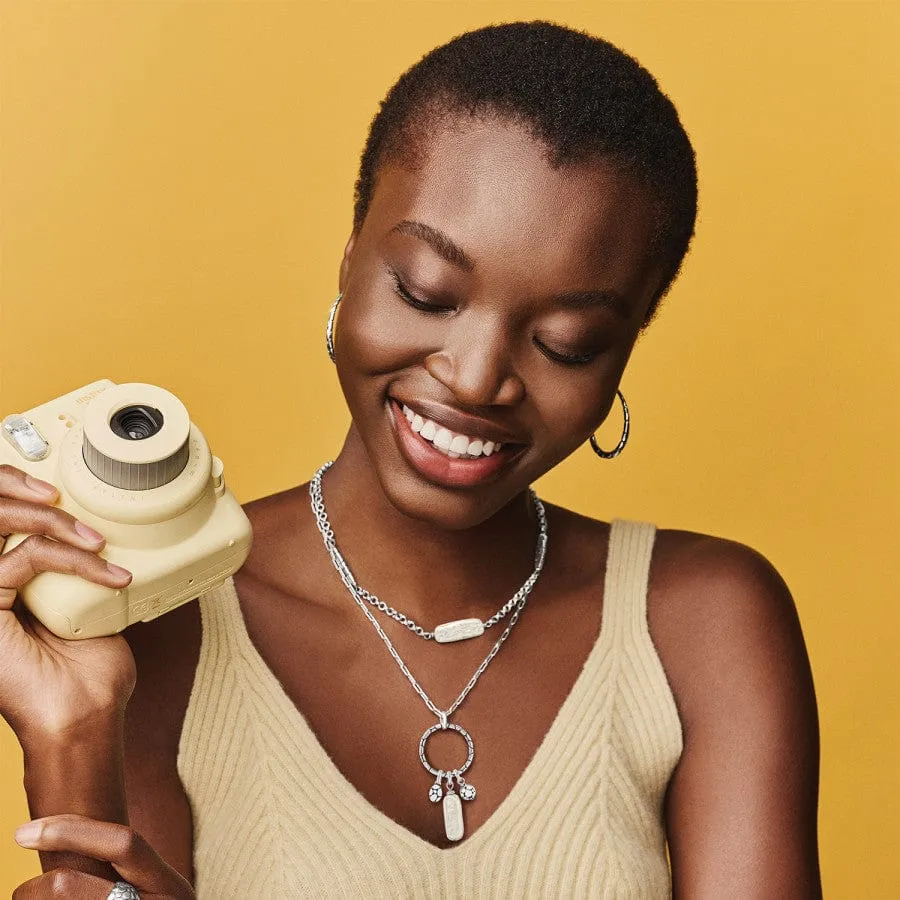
(128, 461)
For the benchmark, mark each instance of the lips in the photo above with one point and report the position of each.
(460, 422)
(440, 469)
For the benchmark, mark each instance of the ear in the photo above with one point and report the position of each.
(345, 262)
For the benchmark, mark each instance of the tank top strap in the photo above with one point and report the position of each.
(224, 631)
(627, 578)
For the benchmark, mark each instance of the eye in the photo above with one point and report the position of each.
(566, 359)
(403, 292)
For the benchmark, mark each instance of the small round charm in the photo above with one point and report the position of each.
(436, 792)
(467, 791)
(123, 890)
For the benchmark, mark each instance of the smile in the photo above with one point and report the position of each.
(446, 457)
(452, 444)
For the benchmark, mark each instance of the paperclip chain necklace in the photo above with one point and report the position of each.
(453, 818)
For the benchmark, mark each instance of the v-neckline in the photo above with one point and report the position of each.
(522, 784)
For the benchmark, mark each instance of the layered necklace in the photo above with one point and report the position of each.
(449, 787)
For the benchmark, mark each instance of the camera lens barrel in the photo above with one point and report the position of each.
(130, 476)
(136, 437)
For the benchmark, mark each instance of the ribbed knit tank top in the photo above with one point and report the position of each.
(275, 818)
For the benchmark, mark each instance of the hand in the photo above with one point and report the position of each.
(48, 684)
(128, 853)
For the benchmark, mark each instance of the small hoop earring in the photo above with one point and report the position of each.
(610, 454)
(329, 328)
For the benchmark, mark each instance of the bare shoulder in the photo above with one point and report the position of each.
(720, 613)
(741, 805)
(716, 608)
(279, 533)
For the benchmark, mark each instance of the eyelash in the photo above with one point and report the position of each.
(415, 302)
(435, 308)
(562, 359)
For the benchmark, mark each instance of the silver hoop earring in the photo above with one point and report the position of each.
(329, 328)
(610, 454)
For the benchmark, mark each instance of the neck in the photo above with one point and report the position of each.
(430, 573)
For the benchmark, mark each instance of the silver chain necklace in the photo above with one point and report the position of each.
(447, 632)
(452, 805)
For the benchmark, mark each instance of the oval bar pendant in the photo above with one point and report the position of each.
(460, 630)
(453, 817)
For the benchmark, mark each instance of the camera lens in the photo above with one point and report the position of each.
(136, 436)
(135, 423)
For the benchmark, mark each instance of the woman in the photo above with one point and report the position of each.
(525, 200)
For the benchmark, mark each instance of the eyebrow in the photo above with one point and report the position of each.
(449, 250)
(439, 242)
(616, 303)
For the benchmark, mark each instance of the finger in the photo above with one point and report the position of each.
(38, 553)
(121, 846)
(25, 516)
(64, 883)
(29, 510)
(15, 483)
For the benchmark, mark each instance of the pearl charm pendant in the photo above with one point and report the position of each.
(454, 826)
(453, 817)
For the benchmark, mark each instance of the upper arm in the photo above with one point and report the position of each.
(742, 803)
(166, 651)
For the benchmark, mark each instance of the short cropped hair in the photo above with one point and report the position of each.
(578, 94)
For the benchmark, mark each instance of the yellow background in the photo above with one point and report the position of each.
(176, 192)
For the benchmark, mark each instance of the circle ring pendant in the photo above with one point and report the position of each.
(441, 727)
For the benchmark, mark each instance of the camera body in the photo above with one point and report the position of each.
(129, 463)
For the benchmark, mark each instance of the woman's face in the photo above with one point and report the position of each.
(536, 279)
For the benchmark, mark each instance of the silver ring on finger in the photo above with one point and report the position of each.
(122, 890)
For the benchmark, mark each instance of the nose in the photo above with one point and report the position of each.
(476, 366)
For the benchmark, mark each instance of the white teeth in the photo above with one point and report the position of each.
(460, 444)
(443, 438)
(454, 445)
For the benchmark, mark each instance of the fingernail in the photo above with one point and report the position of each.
(118, 571)
(38, 486)
(88, 533)
(28, 834)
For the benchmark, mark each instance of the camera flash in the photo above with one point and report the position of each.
(26, 439)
